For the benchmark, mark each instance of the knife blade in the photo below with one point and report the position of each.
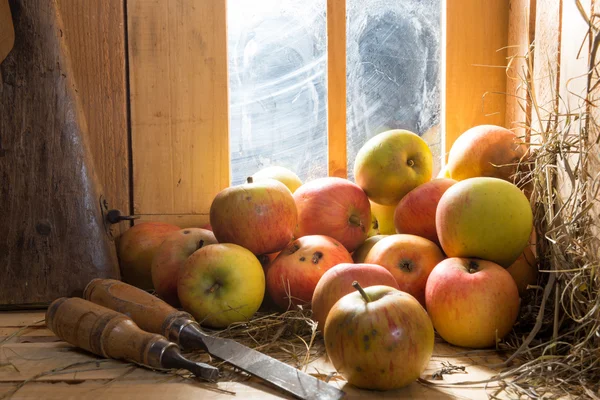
(154, 315)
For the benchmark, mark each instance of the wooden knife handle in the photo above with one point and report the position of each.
(149, 312)
(104, 332)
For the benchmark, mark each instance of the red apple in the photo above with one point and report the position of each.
(171, 255)
(294, 274)
(220, 284)
(337, 282)
(333, 207)
(415, 214)
(525, 270)
(136, 249)
(360, 254)
(409, 258)
(259, 216)
(379, 339)
(471, 302)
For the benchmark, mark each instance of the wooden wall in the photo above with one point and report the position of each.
(153, 83)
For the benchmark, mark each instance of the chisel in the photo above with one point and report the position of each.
(154, 315)
(110, 334)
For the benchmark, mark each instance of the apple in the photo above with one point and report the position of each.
(444, 172)
(374, 228)
(171, 255)
(337, 282)
(220, 284)
(281, 174)
(334, 207)
(385, 218)
(524, 271)
(486, 150)
(415, 213)
(259, 216)
(294, 274)
(136, 249)
(391, 164)
(487, 218)
(360, 254)
(409, 258)
(380, 338)
(471, 302)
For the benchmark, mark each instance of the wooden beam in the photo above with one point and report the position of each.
(179, 104)
(475, 38)
(336, 88)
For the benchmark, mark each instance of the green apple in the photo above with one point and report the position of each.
(391, 164)
(380, 338)
(221, 284)
(281, 174)
(487, 218)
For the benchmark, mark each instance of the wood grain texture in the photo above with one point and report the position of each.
(7, 32)
(95, 34)
(521, 29)
(546, 72)
(336, 88)
(476, 35)
(593, 167)
(52, 238)
(179, 104)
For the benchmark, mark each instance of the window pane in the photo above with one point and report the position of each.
(393, 71)
(277, 75)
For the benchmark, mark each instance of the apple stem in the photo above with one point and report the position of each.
(362, 292)
(250, 179)
(214, 287)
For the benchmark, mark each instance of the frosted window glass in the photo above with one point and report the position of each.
(278, 93)
(393, 71)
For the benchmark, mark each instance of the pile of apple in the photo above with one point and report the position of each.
(381, 262)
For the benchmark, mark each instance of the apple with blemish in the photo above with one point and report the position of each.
(360, 254)
(221, 284)
(334, 207)
(294, 274)
(415, 213)
(260, 216)
(379, 338)
(471, 302)
(171, 255)
(409, 258)
(337, 282)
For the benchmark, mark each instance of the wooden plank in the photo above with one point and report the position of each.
(336, 88)
(179, 104)
(546, 60)
(95, 34)
(7, 32)
(475, 37)
(521, 29)
(20, 318)
(593, 166)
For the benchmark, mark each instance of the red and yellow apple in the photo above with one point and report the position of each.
(391, 164)
(486, 150)
(337, 282)
(487, 218)
(409, 258)
(220, 284)
(385, 218)
(334, 207)
(524, 271)
(136, 249)
(471, 302)
(281, 174)
(379, 339)
(415, 213)
(294, 274)
(171, 255)
(360, 254)
(260, 216)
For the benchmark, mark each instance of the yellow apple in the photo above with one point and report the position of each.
(360, 254)
(281, 174)
(391, 164)
(524, 271)
(385, 218)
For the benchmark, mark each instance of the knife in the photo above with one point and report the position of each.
(110, 334)
(154, 315)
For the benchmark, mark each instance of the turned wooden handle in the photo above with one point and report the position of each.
(104, 332)
(149, 312)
